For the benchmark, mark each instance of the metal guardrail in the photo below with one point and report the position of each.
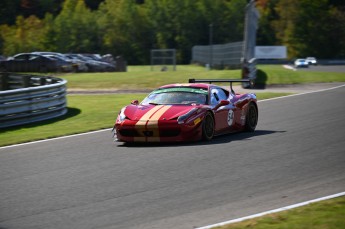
(28, 98)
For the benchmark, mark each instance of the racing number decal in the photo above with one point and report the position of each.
(230, 117)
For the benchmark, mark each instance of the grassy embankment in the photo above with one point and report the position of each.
(140, 77)
(327, 214)
(94, 112)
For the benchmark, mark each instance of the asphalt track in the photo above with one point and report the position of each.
(87, 181)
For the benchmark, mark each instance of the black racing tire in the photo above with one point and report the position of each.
(251, 118)
(208, 127)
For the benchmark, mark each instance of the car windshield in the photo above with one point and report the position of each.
(185, 96)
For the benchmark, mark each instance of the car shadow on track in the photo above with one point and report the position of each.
(227, 138)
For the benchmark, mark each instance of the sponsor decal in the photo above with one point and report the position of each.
(230, 117)
(243, 118)
(196, 121)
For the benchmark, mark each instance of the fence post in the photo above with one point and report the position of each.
(43, 81)
(26, 81)
(4, 81)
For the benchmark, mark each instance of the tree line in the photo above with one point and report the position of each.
(131, 28)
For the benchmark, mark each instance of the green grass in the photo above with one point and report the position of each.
(327, 214)
(140, 77)
(85, 113)
(276, 74)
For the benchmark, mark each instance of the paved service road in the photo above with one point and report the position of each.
(87, 181)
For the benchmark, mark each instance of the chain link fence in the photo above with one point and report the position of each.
(218, 56)
(236, 55)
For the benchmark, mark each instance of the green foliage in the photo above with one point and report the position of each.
(126, 30)
(132, 27)
(306, 27)
(181, 24)
(25, 36)
(8, 12)
(74, 28)
(268, 13)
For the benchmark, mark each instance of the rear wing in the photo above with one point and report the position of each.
(210, 81)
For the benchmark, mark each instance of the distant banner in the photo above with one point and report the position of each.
(270, 52)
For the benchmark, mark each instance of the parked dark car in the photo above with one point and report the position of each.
(92, 64)
(29, 62)
(78, 66)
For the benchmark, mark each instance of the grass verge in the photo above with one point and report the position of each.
(85, 113)
(140, 77)
(328, 214)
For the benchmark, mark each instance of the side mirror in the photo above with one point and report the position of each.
(135, 102)
(221, 103)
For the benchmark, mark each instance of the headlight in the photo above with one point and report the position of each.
(183, 118)
(122, 115)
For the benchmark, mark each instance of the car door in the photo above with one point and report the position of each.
(26, 63)
(36, 63)
(224, 115)
(239, 102)
(17, 63)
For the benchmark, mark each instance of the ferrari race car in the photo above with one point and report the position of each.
(198, 110)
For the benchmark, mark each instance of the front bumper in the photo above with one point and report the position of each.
(169, 131)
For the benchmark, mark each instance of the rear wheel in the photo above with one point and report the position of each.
(251, 118)
(208, 127)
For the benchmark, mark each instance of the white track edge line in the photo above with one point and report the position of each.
(97, 131)
(272, 211)
(303, 93)
(57, 138)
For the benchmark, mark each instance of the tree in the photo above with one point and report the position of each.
(181, 24)
(9, 11)
(125, 30)
(310, 28)
(268, 14)
(74, 29)
(26, 35)
(336, 33)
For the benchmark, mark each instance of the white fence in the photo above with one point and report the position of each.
(34, 98)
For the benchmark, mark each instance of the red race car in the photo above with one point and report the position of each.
(198, 110)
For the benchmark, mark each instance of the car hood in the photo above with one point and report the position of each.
(156, 112)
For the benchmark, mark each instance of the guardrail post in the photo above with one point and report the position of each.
(43, 81)
(4, 81)
(26, 81)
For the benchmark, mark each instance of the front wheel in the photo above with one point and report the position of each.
(251, 118)
(208, 127)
